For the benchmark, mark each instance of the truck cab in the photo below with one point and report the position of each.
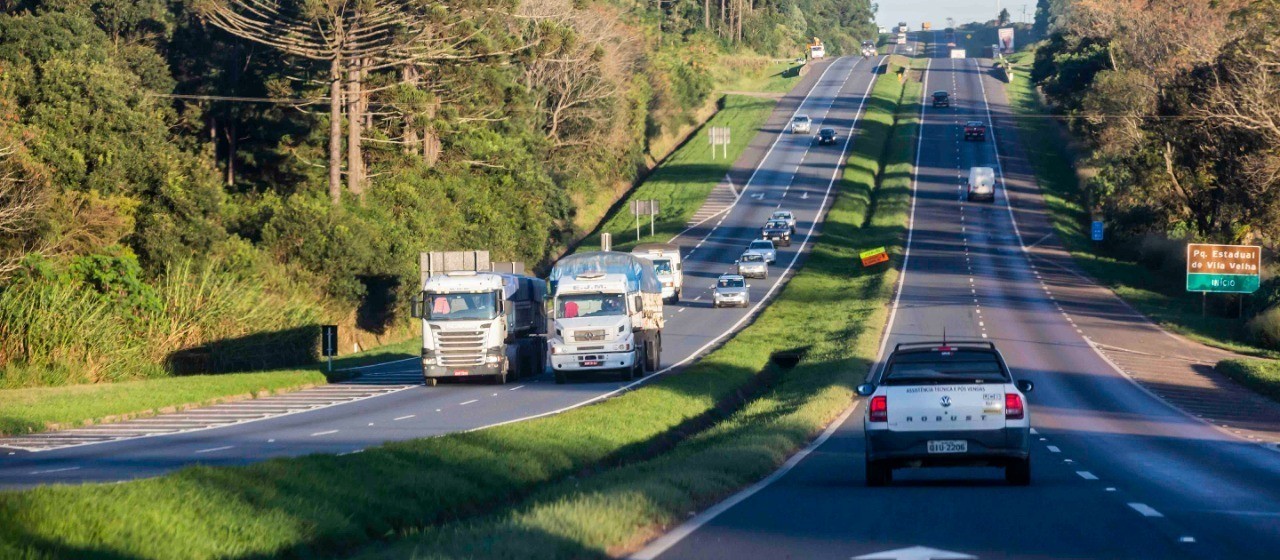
(667, 264)
(479, 323)
(607, 315)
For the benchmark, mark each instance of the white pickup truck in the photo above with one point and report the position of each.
(947, 404)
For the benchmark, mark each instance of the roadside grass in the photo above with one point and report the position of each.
(38, 409)
(1263, 376)
(1159, 296)
(616, 512)
(763, 77)
(331, 505)
(683, 182)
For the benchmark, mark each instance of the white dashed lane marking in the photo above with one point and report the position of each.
(1145, 509)
(212, 449)
(468, 402)
(324, 433)
(1087, 475)
(406, 417)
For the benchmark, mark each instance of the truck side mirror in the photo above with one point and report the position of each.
(415, 307)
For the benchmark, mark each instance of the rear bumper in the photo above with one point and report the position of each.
(986, 447)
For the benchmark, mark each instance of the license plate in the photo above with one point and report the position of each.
(460, 372)
(590, 363)
(949, 446)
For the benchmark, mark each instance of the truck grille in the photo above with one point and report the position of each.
(460, 348)
(589, 335)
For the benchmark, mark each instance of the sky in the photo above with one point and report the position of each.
(937, 11)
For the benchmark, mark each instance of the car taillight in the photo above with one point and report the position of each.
(879, 409)
(1013, 406)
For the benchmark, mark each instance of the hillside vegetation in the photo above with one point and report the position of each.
(1176, 108)
(195, 186)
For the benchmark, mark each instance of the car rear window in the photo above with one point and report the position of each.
(949, 367)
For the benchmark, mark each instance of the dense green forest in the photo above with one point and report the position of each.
(228, 174)
(1178, 106)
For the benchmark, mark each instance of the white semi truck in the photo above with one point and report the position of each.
(607, 315)
(480, 318)
(667, 264)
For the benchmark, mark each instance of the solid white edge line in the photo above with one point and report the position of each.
(378, 364)
(212, 449)
(826, 197)
(671, 538)
(1008, 204)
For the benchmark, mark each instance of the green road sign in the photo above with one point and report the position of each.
(1223, 283)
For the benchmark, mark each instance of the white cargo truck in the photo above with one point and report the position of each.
(957, 53)
(607, 315)
(480, 318)
(667, 264)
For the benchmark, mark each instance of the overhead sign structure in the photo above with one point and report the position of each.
(719, 136)
(874, 256)
(644, 208)
(1232, 269)
(1006, 40)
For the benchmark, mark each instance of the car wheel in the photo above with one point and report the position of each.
(1018, 473)
(878, 473)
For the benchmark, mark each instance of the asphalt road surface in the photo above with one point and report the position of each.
(1117, 473)
(793, 173)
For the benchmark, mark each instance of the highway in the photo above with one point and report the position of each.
(388, 403)
(1117, 472)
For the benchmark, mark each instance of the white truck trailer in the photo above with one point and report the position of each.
(667, 264)
(480, 318)
(607, 315)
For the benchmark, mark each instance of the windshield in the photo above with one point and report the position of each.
(752, 257)
(761, 245)
(459, 307)
(776, 225)
(802, 119)
(957, 366)
(590, 305)
(662, 266)
(782, 215)
(731, 283)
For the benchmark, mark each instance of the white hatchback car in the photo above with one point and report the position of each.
(947, 404)
(801, 124)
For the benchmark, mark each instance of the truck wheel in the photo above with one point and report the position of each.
(637, 366)
(653, 354)
(677, 298)
(1018, 473)
(430, 381)
(878, 473)
(501, 377)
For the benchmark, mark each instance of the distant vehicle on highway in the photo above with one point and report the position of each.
(902, 38)
(941, 99)
(868, 49)
(752, 264)
(786, 216)
(801, 124)
(947, 404)
(975, 130)
(778, 232)
(902, 27)
(826, 136)
(731, 290)
(766, 248)
(816, 49)
(981, 184)
(667, 264)
(882, 30)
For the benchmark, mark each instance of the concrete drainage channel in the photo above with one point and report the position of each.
(235, 412)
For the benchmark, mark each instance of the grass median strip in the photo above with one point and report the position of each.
(1160, 296)
(616, 512)
(43, 408)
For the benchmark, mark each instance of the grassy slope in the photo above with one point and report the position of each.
(274, 507)
(42, 408)
(616, 512)
(1262, 376)
(688, 176)
(1161, 298)
(774, 77)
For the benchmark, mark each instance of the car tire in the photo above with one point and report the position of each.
(1018, 473)
(878, 473)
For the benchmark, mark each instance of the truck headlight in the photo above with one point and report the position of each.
(428, 361)
(494, 355)
(492, 359)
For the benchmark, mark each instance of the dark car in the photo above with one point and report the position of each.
(941, 99)
(827, 136)
(975, 130)
(777, 231)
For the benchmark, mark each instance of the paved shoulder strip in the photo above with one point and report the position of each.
(236, 412)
